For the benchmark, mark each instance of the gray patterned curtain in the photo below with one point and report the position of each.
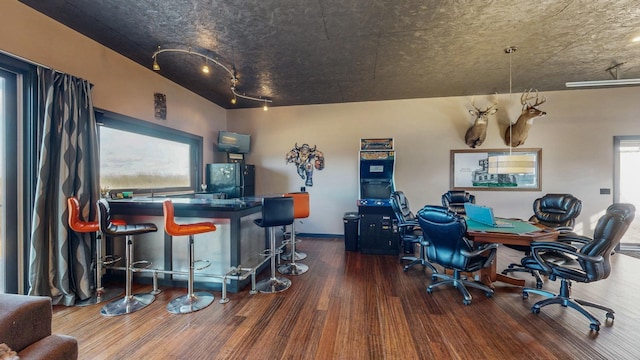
(60, 259)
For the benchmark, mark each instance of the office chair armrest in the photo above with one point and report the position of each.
(480, 249)
(572, 237)
(537, 248)
(564, 229)
(483, 249)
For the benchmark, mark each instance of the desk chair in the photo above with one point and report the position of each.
(130, 302)
(454, 200)
(592, 264)
(410, 232)
(557, 211)
(450, 248)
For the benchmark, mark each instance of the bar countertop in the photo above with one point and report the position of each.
(193, 203)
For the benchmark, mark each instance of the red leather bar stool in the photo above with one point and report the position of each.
(300, 211)
(191, 301)
(129, 303)
(276, 211)
(78, 225)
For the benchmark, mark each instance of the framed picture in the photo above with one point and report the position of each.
(496, 169)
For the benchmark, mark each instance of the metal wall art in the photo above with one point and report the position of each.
(306, 159)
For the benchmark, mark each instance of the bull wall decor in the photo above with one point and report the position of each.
(306, 159)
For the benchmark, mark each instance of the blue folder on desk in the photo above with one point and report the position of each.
(484, 215)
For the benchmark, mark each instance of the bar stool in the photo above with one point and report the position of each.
(129, 303)
(276, 211)
(191, 301)
(300, 211)
(78, 225)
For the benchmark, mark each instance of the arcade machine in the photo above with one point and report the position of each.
(378, 226)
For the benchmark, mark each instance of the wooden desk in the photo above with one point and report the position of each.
(523, 233)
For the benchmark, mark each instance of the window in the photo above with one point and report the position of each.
(144, 157)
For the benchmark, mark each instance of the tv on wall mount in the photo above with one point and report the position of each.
(232, 142)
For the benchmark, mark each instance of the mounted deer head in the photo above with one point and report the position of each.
(478, 131)
(517, 133)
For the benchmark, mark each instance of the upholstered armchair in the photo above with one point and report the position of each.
(449, 247)
(592, 262)
(410, 232)
(454, 200)
(557, 211)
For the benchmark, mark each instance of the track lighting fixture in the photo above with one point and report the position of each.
(206, 69)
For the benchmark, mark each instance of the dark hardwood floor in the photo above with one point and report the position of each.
(354, 306)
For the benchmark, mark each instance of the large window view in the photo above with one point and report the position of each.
(147, 159)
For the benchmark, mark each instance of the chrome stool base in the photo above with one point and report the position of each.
(127, 305)
(299, 256)
(101, 296)
(187, 304)
(273, 285)
(293, 269)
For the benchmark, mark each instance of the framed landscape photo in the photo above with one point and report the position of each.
(496, 169)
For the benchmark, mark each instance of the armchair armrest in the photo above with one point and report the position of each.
(482, 249)
(539, 247)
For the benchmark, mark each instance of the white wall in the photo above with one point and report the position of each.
(576, 138)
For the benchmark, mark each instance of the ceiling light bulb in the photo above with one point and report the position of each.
(636, 39)
(205, 69)
(234, 101)
(265, 107)
(156, 67)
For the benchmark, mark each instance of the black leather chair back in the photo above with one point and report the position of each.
(454, 200)
(400, 206)
(446, 233)
(556, 210)
(276, 211)
(606, 236)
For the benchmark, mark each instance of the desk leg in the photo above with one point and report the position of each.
(489, 275)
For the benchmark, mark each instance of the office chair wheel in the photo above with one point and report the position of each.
(595, 327)
(466, 302)
(405, 269)
(429, 290)
(535, 310)
(525, 295)
(434, 278)
(539, 284)
(610, 316)
(488, 294)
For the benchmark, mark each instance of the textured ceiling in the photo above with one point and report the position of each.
(298, 52)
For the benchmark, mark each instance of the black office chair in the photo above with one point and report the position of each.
(557, 211)
(449, 247)
(454, 200)
(410, 232)
(592, 262)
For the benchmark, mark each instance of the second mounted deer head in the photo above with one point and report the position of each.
(517, 133)
(476, 134)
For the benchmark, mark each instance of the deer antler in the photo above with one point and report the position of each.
(526, 96)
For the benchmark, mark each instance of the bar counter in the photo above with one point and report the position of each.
(236, 243)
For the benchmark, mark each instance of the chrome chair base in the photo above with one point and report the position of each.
(127, 305)
(298, 256)
(101, 296)
(187, 304)
(273, 285)
(293, 269)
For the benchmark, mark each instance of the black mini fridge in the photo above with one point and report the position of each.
(233, 180)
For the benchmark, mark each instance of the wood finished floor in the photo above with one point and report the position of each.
(354, 306)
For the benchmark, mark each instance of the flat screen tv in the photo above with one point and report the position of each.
(233, 142)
